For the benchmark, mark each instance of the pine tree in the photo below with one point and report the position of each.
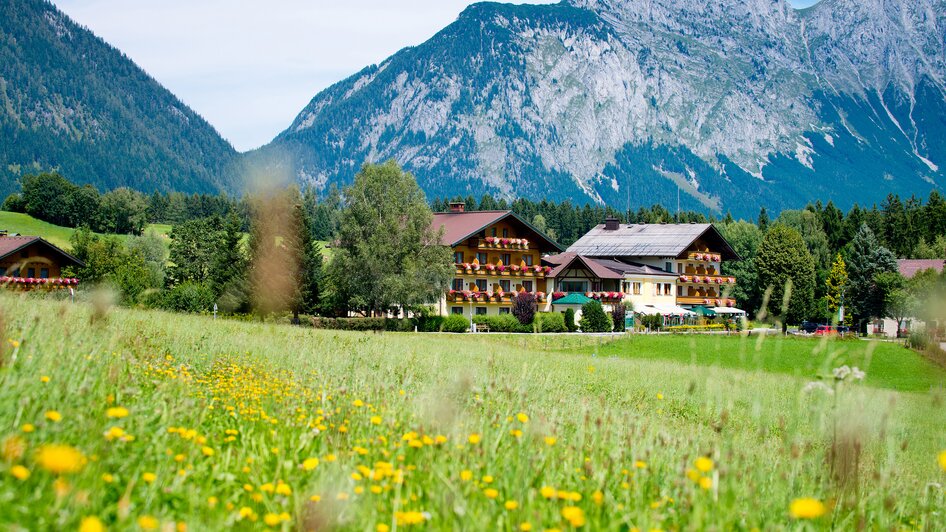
(593, 318)
(786, 268)
(763, 222)
(867, 258)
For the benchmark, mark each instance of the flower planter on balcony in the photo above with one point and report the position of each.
(494, 242)
(28, 283)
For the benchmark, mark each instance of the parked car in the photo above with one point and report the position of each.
(808, 327)
(843, 330)
(826, 330)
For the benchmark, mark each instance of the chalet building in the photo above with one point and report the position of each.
(668, 269)
(908, 268)
(30, 261)
(496, 254)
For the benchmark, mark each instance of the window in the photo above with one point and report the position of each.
(3, 271)
(458, 284)
(504, 310)
(480, 311)
(573, 286)
(482, 258)
(668, 289)
(506, 258)
(505, 233)
(595, 286)
(679, 291)
(668, 267)
(493, 232)
(481, 285)
(505, 285)
(527, 259)
(679, 267)
(527, 286)
(458, 257)
(637, 288)
(16, 272)
(456, 310)
(31, 272)
(656, 289)
(44, 273)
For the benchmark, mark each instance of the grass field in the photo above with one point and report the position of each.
(144, 419)
(25, 224)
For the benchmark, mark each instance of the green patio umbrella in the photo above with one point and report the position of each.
(705, 312)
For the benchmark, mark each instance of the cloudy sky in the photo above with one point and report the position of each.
(249, 66)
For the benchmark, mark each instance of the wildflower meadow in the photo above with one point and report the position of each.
(118, 419)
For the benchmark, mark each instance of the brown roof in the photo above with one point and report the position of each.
(564, 261)
(910, 267)
(11, 244)
(459, 226)
(650, 240)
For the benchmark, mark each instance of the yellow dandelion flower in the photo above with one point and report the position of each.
(807, 508)
(381, 527)
(44, 379)
(466, 474)
(488, 479)
(116, 412)
(179, 457)
(27, 428)
(706, 483)
(207, 451)
(147, 522)
(212, 501)
(91, 524)
(942, 460)
(315, 498)
(53, 416)
(60, 459)
(574, 515)
(474, 438)
(149, 477)
(271, 519)
(511, 505)
(310, 463)
(375, 420)
(491, 493)
(108, 478)
(548, 492)
(522, 417)
(13, 343)
(660, 396)
(550, 440)
(284, 489)
(598, 497)
(525, 527)
(704, 464)
(19, 472)
(640, 464)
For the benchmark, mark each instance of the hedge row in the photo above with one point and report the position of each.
(505, 323)
(422, 324)
(696, 328)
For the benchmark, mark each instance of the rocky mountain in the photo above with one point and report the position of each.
(69, 101)
(729, 104)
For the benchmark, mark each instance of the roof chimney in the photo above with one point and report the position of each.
(611, 224)
(457, 206)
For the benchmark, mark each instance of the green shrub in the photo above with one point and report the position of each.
(918, 340)
(697, 328)
(654, 322)
(429, 323)
(550, 322)
(189, 297)
(455, 323)
(570, 320)
(593, 318)
(352, 324)
(503, 323)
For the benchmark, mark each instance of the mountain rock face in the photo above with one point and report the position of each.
(71, 102)
(726, 105)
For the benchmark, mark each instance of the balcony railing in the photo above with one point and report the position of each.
(495, 242)
(502, 298)
(707, 301)
(706, 279)
(502, 271)
(705, 256)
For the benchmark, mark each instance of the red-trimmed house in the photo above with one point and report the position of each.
(30, 262)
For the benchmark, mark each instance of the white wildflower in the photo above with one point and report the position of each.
(857, 374)
(814, 386)
(842, 372)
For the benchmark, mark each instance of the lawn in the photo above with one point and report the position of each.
(142, 419)
(26, 225)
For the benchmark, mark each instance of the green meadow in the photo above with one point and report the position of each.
(128, 419)
(24, 224)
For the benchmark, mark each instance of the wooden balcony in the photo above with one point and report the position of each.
(491, 270)
(706, 301)
(706, 280)
(705, 256)
(495, 242)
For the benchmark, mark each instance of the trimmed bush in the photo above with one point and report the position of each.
(550, 322)
(593, 318)
(697, 328)
(351, 324)
(570, 320)
(455, 323)
(654, 322)
(503, 323)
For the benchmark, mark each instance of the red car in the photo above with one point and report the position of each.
(826, 330)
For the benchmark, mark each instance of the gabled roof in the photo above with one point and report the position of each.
(910, 267)
(632, 268)
(12, 244)
(565, 261)
(460, 226)
(650, 240)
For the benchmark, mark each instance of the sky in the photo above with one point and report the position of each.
(250, 66)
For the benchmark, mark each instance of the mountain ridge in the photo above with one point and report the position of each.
(604, 100)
